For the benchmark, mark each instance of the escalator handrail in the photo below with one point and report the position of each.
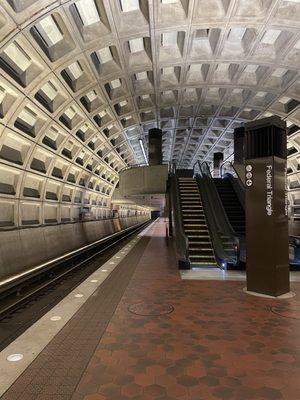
(181, 240)
(206, 165)
(223, 174)
(222, 166)
(294, 237)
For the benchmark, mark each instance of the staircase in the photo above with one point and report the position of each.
(201, 252)
(231, 204)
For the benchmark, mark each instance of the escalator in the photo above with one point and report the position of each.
(232, 206)
(199, 239)
(200, 250)
(228, 196)
(228, 189)
(226, 215)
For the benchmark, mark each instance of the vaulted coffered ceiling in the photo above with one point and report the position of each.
(82, 81)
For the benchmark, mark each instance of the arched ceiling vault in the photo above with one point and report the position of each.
(82, 81)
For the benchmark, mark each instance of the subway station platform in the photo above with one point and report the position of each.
(136, 330)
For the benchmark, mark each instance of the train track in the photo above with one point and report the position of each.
(23, 303)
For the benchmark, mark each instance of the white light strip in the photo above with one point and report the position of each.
(143, 150)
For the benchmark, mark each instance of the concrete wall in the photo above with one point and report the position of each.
(25, 248)
(144, 180)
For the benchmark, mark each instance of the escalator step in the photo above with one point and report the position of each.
(188, 195)
(193, 211)
(198, 236)
(204, 257)
(196, 230)
(195, 244)
(200, 249)
(190, 202)
(193, 201)
(200, 221)
(194, 218)
(207, 264)
(191, 225)
(191, 214)
(197, 233)
(200, 243)
(194, 206)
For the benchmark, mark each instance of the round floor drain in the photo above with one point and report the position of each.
(287, 312)
(150, 309)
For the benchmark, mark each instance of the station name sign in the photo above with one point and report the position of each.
(269, 190)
